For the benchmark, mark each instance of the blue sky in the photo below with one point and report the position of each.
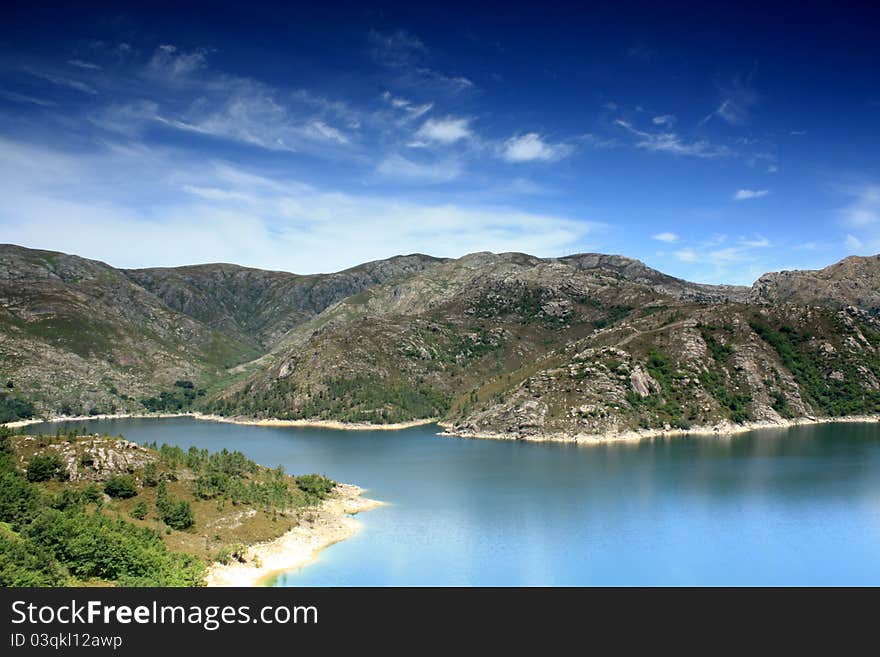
(713, 143)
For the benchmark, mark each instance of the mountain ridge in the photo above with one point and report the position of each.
(507, 344)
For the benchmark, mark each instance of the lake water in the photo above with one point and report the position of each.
(797, 506)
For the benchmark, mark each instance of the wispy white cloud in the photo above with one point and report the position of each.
(82, 64)
(531, 147)
(455, 83)
(411, 110)
(665, 119)
(445, 131)
(232, 108)
(171, 63)
(719, 260)
(406, 55)
(864, 210)
(172, 88)
(737, 101)
(757, 242)
(396, 49)
(595, 141)
(259, 120)
(218, 194)
(63, 81)
(853, 243)
(747, 194)
(397, 167)
(229, 214)
(320, 129)
(665, 237)
(686, 255)
(670, 142)
(24, 98)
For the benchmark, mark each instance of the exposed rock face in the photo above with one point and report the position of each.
(638, 272)
(854, 281)
(98, 458)
(642, 383)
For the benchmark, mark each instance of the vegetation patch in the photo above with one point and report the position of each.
(615, 314)
(43, 467)
(55, 531)
(180, 398)
(13, 408)
(121, 486)
(835, 397)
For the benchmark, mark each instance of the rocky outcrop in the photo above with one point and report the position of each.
(854, 281)
(642, 383)
(94, 458)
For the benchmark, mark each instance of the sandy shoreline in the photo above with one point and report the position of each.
(271, 422)
(720, 429)
(330, 523)
(321, 424)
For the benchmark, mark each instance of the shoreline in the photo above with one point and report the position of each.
(724, 429)
(319, 424)
(331, 522)
(267, 422)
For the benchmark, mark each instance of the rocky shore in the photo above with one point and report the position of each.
(720, 429)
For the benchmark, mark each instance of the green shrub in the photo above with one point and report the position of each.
(139, 511)
(315, 485)
(19, 500)
(720, 352)
(14, 408)
(91, 494)
(121, 486)
(25, 563)
(95, 546)
(178, 514)
(5, 441)
(43, 467)
(151, 478)
(231, 553)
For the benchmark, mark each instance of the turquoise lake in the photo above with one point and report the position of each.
(798, 506)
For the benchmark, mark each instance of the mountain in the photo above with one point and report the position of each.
(493, 344)
(78, 336)
(854, 281)
(520, 346)
(257, 306)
